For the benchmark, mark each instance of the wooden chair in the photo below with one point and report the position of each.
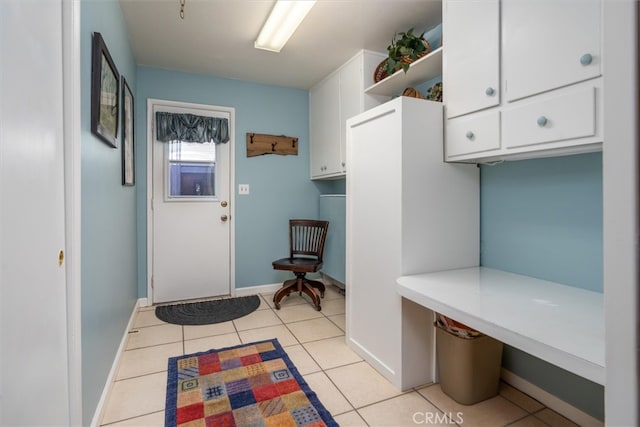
(306, 246)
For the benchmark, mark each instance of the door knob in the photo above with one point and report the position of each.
(223, 203)
(224, 218)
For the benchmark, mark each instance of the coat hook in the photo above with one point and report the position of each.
(273, 145)
(293, 142)
(251, 138)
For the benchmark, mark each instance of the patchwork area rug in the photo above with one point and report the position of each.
(252, 384)
(208, 312)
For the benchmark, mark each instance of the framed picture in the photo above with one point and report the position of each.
(128, 176)
(104, 93)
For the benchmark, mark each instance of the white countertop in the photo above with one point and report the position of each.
(560, 324)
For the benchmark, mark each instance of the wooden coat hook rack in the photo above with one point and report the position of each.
(259, 144)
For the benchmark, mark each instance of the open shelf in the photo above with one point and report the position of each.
(425, 68)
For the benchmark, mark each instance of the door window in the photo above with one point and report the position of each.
(191, 170)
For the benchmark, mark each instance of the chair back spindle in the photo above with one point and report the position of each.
(307, 238)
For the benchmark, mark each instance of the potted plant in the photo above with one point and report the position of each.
(405, 48)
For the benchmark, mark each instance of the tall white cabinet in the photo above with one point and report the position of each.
(407, 212)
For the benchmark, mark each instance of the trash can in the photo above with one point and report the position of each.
(468, 366)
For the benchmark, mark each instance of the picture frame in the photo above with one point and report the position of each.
(105, 93)
(128, 135)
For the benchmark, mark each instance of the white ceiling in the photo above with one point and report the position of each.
(216, 36)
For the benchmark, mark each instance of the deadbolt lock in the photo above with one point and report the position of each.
(223, 203)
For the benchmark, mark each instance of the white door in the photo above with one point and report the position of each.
(33, 308)
(191, 213)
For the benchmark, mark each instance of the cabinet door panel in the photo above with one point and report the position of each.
(350, 101)
(566, 116)
(324, 127)
(472, 61)
(472, 135)
(546, 43)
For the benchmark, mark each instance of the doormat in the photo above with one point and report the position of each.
(253, 384)
(208, 312)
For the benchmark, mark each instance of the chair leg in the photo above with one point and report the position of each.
(287, 287)
(307, 289)
(318, 285)
(300, 284)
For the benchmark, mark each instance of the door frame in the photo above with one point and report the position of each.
(72, 129)
(151, 103)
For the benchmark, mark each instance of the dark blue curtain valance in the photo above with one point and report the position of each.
(191, 128)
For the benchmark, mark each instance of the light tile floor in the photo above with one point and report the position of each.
(349, 388)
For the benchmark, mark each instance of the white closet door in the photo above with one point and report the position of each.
(34, 385)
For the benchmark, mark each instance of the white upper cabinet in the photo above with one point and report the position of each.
(324, 128)
(548, 44)
(331, 102)
(472, 37)
(351, 101)
(522, 78)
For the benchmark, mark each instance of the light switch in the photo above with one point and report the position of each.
(243, 188)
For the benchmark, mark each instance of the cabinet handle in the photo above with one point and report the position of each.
(490, 91)
(542, 121)
(470, 135)
(586, 59)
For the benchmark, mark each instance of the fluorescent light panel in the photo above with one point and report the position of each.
(281, 23)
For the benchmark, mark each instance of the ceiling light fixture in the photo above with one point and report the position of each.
(281, 23)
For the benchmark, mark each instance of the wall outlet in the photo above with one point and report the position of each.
(243, 188)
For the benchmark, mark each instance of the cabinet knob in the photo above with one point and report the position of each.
(542, 121)
(343, 164)
(586, 59)
(470, 135)
(490, 91)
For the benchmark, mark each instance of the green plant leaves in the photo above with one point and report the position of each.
(404, 45)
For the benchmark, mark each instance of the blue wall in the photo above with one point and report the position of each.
(109, 261)
(280, 185)
(543, 218)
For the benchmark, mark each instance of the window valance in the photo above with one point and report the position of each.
(191, 128)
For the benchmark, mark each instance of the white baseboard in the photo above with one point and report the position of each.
(97, 415)
(260, 289)
(144, 302)
(550, 401)
(273, 287)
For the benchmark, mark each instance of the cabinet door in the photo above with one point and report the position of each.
(471, 51)
(351, 86)
(549, 44)
(324, 128)
(374, 216)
